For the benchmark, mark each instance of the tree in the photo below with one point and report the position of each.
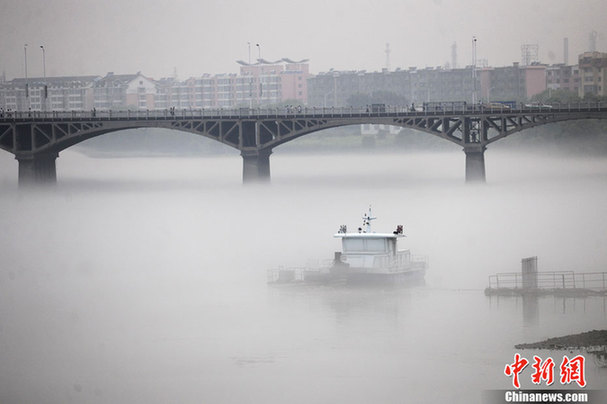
(563, 96)
(558, 96)
(593, 98)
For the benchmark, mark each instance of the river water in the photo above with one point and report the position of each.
(143, 280)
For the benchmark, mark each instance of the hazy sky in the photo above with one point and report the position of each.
(208, 36)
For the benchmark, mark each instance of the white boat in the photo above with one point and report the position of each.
(367, 258)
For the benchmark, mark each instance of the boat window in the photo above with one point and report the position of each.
(376, 244)
(353, 244)
(359, 244)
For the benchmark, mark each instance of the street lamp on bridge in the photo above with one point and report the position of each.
(43, 62)
(259, 90)
(26, 84)
(474, 69)
(44, 95)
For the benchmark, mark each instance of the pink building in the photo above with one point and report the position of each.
(512, 83)
(277, 82)
(294, 82)
(535, 79)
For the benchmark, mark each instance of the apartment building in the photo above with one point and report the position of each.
(564, 77)
(593, 73)
(120, 91)
(48, 94)
(259, 84)
(512, 83)
(270, 83)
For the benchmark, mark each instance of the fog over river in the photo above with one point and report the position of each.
(143, 280)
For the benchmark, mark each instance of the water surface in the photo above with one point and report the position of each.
(143, 280)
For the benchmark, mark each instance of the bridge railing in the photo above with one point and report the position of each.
(375, 110)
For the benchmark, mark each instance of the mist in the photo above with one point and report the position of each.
(144, 279)
(190, 38)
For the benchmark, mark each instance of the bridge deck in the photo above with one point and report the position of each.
(290, 113)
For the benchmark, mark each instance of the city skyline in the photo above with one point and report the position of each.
(192, 38)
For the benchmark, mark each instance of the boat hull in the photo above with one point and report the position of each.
(403, 278)
(407, 278)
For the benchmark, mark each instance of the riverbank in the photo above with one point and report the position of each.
(588, 339)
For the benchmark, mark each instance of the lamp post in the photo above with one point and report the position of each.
(335, 76)
(258, 96)
(43, 62)
(25, 55)
(26, 84)
(324, 104)
(250, 79)
(44, 87)
(474, 69)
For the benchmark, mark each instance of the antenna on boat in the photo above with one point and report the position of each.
(367, 220)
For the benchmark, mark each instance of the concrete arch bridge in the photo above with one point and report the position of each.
(37, 138)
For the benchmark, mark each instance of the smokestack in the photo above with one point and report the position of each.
(592, 41)
(566, 51)
(454, 55)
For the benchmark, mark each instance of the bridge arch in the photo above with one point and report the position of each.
(68, 137)
(508, 130)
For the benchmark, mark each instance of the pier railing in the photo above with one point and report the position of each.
(552, 280)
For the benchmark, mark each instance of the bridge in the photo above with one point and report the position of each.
(37, 138)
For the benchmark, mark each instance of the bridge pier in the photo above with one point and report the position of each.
(37, 169)
(475, 163)
(256, 166)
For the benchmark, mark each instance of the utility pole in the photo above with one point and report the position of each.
(44, 88)
(43, 62)
(259, 92)
(474, 69)
(27, 93)
(250, 78)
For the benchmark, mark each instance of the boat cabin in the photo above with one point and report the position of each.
(366, 249)
(374, 243)
(374, 250)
